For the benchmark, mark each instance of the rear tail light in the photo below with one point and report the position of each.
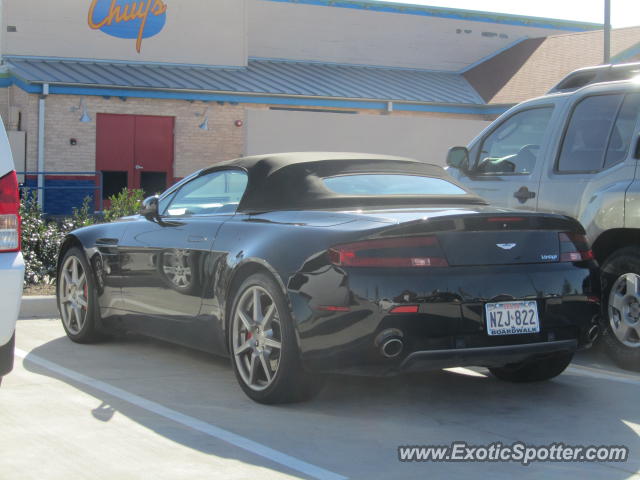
(9, 213)
(574, 247)
(405, 309)
(390, 252)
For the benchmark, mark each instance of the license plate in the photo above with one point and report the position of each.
(512, 318)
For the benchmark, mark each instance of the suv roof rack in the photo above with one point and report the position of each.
(598, 74)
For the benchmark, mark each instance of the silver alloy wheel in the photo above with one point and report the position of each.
(175, 265)
(74, 295)
(624, 309)
(256, 338)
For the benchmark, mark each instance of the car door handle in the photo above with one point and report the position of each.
(139, 167)
(196, 238)
(524, 194)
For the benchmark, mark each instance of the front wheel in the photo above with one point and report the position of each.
(621, 307)
(76, 298)
(534, 370)
(263, 347)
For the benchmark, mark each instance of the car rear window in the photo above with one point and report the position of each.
(390, 184)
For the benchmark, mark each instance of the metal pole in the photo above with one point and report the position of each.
(607, 31)
(41, 151)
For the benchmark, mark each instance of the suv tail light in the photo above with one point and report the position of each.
(390, 252)
(574, 247)
(9, 213)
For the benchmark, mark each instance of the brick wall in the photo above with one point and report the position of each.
(28, 106)
(62, 195)
(194, 148)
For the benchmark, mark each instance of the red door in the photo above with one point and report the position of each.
(134, 151)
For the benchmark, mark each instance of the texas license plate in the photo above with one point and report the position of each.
(512, 318)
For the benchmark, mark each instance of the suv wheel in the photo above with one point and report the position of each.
(621, 306)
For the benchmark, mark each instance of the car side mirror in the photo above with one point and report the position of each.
(149, 208)
(458, 157)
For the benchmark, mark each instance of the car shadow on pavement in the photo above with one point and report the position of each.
(355, 424)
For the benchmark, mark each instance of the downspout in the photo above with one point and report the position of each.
(607, 32)
(41, 136)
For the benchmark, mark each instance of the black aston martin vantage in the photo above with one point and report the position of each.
(299, 264)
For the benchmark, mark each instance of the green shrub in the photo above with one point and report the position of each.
(123, 204)
(40, 243)
(82, 217)
(41, 238)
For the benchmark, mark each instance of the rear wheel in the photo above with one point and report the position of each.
(621, 306)
(263, 347)
(76, 298)
(534, 370)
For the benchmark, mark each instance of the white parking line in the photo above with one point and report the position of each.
(604, 374)
(191, 422)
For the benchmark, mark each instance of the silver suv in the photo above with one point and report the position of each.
(575, 151)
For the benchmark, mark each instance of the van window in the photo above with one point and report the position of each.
(513, 147)
(599, 133)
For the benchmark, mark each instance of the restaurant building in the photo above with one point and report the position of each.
(98, 95)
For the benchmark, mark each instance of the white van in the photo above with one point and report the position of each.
(11, 263)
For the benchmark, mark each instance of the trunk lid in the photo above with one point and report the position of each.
(487, 236)
(500, 248)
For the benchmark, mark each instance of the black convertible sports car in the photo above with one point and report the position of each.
(299, 264)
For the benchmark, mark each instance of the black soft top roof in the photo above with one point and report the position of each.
(293, 181)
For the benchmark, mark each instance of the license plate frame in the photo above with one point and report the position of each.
(501, 318)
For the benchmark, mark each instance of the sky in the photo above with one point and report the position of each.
(624, 13)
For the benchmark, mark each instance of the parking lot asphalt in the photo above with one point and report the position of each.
(139, 408)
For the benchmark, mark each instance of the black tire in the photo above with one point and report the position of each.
(291, 383)
(538, 370)
(625, 260)
(90, 331)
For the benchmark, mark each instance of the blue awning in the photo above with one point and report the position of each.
(264, 77)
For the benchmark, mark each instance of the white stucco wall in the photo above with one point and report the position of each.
(211, 32)
(344, 35)
(427, 138)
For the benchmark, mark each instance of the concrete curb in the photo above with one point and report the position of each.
(38, 306)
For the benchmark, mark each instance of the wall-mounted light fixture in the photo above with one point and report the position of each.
(85, 118)
(205, 124)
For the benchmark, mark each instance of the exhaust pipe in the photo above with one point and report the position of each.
(392, 347)
(593, 333)
(390, 343)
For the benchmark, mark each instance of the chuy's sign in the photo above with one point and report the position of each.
(137, 19)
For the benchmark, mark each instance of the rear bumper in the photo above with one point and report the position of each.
(449, 328)
(484, 356)
(11, 281)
